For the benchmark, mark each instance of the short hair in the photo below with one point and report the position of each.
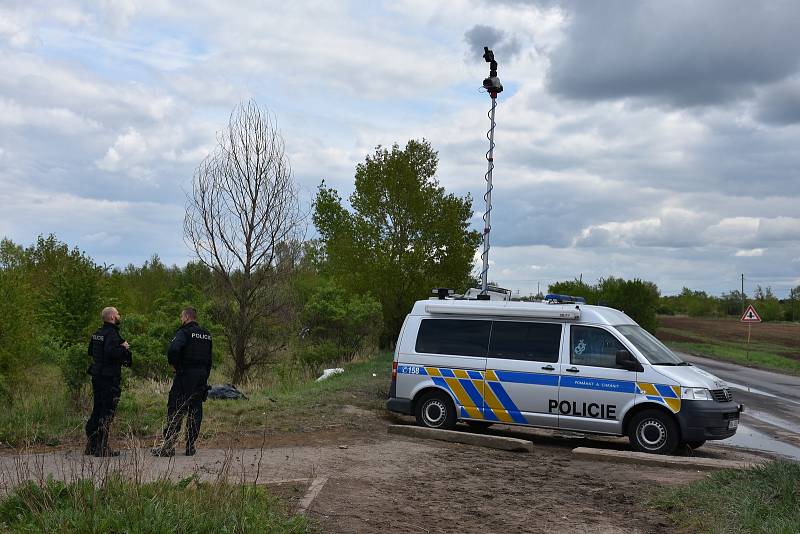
(108, 313)
(190, 313)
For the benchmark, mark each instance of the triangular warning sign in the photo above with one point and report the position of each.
(750, 315)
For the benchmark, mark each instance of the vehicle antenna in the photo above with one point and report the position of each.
(493, 87)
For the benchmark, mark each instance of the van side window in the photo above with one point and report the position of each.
(593, 346)
(536, 342)
(454, 336)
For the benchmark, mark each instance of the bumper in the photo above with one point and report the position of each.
(399, 406)
(708, 420)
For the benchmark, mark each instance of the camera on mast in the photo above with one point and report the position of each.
(492, 83)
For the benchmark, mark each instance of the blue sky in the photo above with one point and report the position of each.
(654, 140)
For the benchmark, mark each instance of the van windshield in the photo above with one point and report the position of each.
(652, 349)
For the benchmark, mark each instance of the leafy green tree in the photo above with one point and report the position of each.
(637, 298)
(404, 235)
(767, 305)
(575, 288)
(66, 288)
(731, 303)
(792, 305)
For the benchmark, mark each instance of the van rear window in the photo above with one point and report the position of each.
(454, 336)
(536, 342)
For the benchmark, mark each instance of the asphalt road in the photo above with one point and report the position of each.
(772, 405)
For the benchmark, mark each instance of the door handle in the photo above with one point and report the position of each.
(548, 368)
(572, 370)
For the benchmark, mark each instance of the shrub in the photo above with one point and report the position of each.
(17, 345)
(637, 298)
(338, 325)
(72, 360)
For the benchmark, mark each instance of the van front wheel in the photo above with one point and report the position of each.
(436, 410)
(653, 431)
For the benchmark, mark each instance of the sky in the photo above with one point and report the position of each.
(649, 139)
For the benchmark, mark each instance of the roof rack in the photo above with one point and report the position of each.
(503, 309)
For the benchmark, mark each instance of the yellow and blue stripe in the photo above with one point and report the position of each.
(481, 395)
(669, 396)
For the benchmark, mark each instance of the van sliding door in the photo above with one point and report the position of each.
(522, 372)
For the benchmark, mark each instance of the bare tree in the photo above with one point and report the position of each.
(242, 217)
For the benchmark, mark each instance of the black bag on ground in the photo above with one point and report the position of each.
(225, 392)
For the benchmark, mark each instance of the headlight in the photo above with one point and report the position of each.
(695, 394)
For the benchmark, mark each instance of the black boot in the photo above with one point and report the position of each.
(190, 450)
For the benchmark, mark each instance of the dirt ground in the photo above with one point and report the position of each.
(378, 482)
(784, 334)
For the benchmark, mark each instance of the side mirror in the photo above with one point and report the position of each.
(626, 360)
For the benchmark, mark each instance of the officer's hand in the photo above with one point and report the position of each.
(126, 345)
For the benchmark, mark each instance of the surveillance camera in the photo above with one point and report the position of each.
(493, 85)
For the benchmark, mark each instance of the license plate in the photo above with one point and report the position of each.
(733, 424)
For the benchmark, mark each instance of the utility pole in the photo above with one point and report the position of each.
(743, 293)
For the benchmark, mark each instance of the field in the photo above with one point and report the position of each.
(774, 346)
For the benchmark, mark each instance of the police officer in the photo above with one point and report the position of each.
(109, 353)
(190, 355)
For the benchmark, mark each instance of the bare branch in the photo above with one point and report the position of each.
(242, 212)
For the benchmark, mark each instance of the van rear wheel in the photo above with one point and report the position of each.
(436, 410)
(653, 431)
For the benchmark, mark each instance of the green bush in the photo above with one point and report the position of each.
(576, 288)
(164, 506)
(17, 344)
(320, 353)
(338, 325)
(637, 298)
(149, 339)
(72, 360)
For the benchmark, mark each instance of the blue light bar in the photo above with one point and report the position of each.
(564, 299)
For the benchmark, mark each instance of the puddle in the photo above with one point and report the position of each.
(749, 438)
(774, 421)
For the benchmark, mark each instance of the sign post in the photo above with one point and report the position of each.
(750, 316)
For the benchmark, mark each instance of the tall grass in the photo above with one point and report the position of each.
(136, 493)
(284, 397)
(119, 505)
(40, 411)
(764, 499)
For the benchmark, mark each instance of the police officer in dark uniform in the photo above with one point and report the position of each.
(109, 353)
(190, 354)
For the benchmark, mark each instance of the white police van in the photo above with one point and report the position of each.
(554, 365)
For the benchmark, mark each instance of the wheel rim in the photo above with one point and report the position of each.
(434, 413)
(651, 434)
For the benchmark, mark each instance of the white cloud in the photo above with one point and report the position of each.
(128, 146)
(750, 253)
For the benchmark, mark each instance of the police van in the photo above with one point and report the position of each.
(559, 364)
